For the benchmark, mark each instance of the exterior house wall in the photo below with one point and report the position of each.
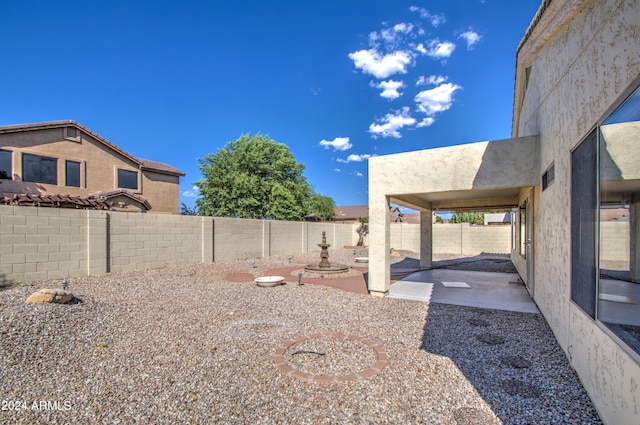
(99, 164)
(582, 56)
(162, 191)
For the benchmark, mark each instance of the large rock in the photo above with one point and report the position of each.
(57, 296)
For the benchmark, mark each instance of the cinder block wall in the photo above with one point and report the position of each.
(54, 243)
(42, 243)
(141, 241)
(460, 238)
(614, 240)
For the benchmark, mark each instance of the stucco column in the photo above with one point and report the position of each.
(634, 240)
(426, 238)
(379, 245)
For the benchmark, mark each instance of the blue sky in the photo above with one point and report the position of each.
(337, 81)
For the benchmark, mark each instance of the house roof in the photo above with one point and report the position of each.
(351, 212)
(121, 192)
(534, 22)
(143, 163)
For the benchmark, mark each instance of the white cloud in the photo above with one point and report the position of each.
(437, 99)
(389, 88)
(426, 122)
(337, 170)
(440, 50)
(435, 20)
(381, 66)
(431, 79)
(471, 37)
(358, 173)
(391, 37)
(193, 193)
(338, 144)
(390, 124)
(355, 158)
(421, 49)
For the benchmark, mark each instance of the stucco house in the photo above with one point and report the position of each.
(574, 157)
(61, 158)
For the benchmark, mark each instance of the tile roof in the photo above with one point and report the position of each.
(121, 192)
(144, 163)
(56, 201)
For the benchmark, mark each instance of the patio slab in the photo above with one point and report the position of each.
(486, 290)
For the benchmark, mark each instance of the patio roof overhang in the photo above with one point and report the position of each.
(477, 176)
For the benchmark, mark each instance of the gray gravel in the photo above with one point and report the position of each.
(182, 345)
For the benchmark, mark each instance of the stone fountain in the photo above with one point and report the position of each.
(325, 266)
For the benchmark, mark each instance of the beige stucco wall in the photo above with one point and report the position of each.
(581, 59)
(162, 191)
(99, 166)
(449, 174)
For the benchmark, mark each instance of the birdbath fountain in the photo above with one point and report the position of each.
(325, 266)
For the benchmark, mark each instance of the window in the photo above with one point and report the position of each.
(72, 173)
(523, 229)
(549, 176)
(127, 179)
(605, 223)
(583, 224)
(39, 169)
(5, 165)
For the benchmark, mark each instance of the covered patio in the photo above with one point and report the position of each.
(494, 175)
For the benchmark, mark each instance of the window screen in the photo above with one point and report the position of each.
(39, 169)
(128, 179)
(72, 173)
(583, 224)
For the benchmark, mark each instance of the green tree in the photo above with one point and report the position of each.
(362, 230)
(185, 210)
(253, 177)
(468, 217)
(321, 207)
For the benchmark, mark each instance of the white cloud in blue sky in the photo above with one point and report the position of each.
(440, 50)
(389, 88)
(355, 158)
(435, 19)
(471, 37)
(435, 100)
(192, 193)
(381, 66)
(338, 144)
(431, 79)
(390, 124)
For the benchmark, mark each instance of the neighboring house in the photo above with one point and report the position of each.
(65, 158)
(497, 218)
(571, 173)
(350, 214)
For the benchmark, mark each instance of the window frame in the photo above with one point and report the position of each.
(66, 173)
(124, 173)
(596, 130)
(30, 179)
(10, 169)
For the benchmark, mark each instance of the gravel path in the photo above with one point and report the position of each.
(182, 345)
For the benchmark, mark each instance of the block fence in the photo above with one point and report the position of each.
(55, 243)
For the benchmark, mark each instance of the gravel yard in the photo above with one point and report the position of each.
(183, 345)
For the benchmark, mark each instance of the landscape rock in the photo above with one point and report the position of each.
(56, 296)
